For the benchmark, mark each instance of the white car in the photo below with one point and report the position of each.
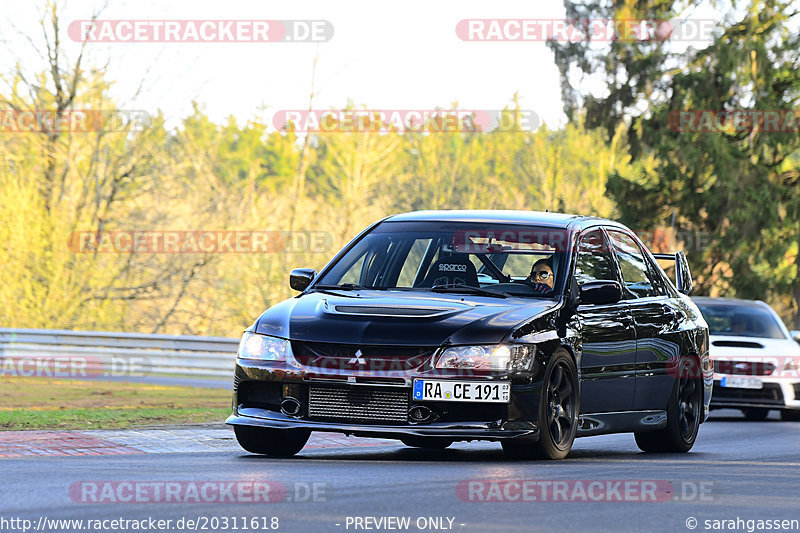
(756, 359)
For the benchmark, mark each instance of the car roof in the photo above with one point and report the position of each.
(733, 302)
(504, 216)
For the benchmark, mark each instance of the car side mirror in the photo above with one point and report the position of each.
(795, 334)
(600, 292)
(683, 276)
(300, 278)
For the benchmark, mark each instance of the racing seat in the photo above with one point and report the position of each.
(452, 271)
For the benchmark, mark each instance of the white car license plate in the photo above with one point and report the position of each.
(462, 391)
(735, 382)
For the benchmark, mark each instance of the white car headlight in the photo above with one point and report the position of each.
(489, 357)
(255, 346)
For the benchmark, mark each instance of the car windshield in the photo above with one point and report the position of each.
(740, 321)
(486, 259)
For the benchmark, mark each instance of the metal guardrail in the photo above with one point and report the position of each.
(108, 354)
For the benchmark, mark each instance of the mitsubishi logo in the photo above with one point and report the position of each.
(357, 360)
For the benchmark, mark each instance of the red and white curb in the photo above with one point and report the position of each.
(143, 441)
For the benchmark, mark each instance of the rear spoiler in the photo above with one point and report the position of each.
(683, 277)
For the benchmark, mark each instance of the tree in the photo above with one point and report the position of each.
(737, 186)
(60, 179)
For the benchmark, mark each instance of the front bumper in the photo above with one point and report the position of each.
(261, 386)
(456, 431)
(775, 394)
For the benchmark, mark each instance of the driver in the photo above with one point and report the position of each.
(542, 275)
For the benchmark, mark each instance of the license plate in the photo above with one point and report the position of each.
(741, 383)
(462, 391)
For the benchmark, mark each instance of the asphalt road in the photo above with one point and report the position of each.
(737, 470)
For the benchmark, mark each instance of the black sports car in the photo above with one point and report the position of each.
(521, 327)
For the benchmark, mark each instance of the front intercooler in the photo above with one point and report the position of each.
(360, 404)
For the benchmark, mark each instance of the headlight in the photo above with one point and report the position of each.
(489, 357)
(255, 346)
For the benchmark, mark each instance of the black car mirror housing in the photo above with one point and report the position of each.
(301, 278)
(600, 292)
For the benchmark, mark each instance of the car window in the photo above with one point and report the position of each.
(740, 321)
(353, 274)
(594, 261)
(413, 263)
(636, 278)
(419, 256)
(519, 266)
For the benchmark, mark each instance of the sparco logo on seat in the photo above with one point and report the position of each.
(452, 268)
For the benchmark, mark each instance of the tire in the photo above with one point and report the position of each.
(683, 414)
(755, 414)
(272, 442)
(790, 415)
(431, 443)
(558, 413)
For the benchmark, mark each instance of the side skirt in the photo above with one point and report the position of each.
(620, 422)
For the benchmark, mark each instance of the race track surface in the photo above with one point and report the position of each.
(197, 476)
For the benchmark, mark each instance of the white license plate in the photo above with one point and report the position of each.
(462, 391)
(735, 382)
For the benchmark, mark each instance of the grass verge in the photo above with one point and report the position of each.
(42, 403)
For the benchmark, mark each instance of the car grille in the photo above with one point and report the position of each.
(743, 368)
(769, 394)
(358, 404)
(330, 356)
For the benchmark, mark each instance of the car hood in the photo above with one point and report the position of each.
(728, 347)
(399, 317)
